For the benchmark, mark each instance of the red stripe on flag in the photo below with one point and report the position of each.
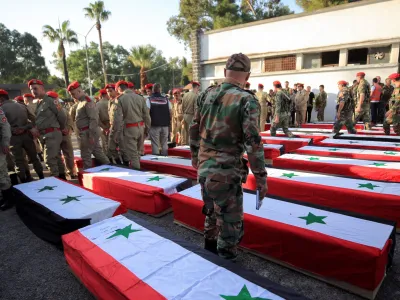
(103, 276)
(329, 126)
(315, 138)
(179, 152)
(167, 168)
(378, 157)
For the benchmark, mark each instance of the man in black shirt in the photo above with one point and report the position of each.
(310, 103)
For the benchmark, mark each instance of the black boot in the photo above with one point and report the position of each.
(14, 179)
(8, 199)
(62, 176)
(28, 176)
(41, 175)
(126, 163)
(211, 246)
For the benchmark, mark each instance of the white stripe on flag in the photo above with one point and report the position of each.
(349, 150)
(168, 160)
(171, 270)
(390, 137)
(343, 161)
(359, 142)
(343, 227)
(69, 201)
(280, 138)
(308, 134)
(166, 182)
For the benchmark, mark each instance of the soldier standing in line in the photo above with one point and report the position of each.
(28, 99)
(287, 88)
(50, 120)
(188, 103)
(344, 113)
(320, 103)
(104, 120)
(363, 111)
(87, 125)
(301, 100)
(116, 138)
(72, 114)
(282, 112)
(136, 120)
(22, 124)
(387, 92)
(131, 86)
(217, 153)
(19, 99)
(177, 116)
(271, 105)
(393, 115)
(262, 100)
(66, 144)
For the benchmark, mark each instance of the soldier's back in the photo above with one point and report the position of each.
(16, 113)
(102, 107)
(188, 102)
(132, 107)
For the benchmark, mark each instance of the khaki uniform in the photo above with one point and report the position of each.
(116, 138)
(188, 104)
(72, 114)
(5, 137)
(86, 122)
(104, 123)
(300, 101)
(146, 130)
(66, 146)
(32, 109)
(177, 118)
(50, 120)
(135, 118)
(262, 100)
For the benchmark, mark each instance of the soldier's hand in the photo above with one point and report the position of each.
(91, 140)
(276, 119)
(263, 188)
(338, 116)
(195, 164)
(358, 109)
(6, 149)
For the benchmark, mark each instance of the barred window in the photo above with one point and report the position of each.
(283, 63)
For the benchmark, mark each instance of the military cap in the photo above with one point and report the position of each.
(148, 86)
(300, 84)
(110, 86)
(247, 84)
(19, 99)
(103, 92)
(176, 91)
(260, 86)
(360, 74)
(130, 85)
(276, 82)
(35, 81)
(74, 85)
(3, 92)
(52, 94)
(195, 83)
(238, 62)
(29, 95)
(394, 76)
(121, 82)
(343, 82)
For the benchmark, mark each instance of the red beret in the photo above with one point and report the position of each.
(74, 85)
(130, 85)
(175, 91)
(276, 82)
(260, 86)
(342, 82)
(103, 92)
(110, 86)
(29, 95)
(19, 99)
(121, 82)
(195, 83)
(360, 74)
(148, 86)
(34, 81)
(300, 84)
(247, 84)
(52, 94)
(394, 76)
(3, 92)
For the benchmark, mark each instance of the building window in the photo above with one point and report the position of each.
(312, 61)
(379, 55)
(357, 56)
(276, 64)
(330, 59)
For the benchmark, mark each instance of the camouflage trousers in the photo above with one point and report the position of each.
(386, 127)
(321, 114)
(284, 123)
(365, 116)
(223, 207)
(346, 118)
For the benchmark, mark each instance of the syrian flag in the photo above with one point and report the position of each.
(366, 197)
(51, 207)
(342, 249)
(141, 191)
(357, 168)
(182, 151)
(267, 126)
(271, 151)
(314, 130)
(371, 145)
(290, 144)
(375, 132)
(328, 125)
(315, 137)
(377, 155)
(177, 166)
(79, 162)
(377, 138)
(123, 258)
(147, 147)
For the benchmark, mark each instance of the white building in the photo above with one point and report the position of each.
(315, 48)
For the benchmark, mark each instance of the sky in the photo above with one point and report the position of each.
(132, 23)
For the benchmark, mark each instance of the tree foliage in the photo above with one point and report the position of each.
(311, 5)
(20, 57)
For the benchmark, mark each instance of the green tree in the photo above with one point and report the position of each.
(96, 11)
(187, 72)
(225, 13)
(311, 5)
(263, 9)
(61, 35)
(143, 57)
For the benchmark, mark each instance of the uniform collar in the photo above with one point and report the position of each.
(232, 81)
(128, 91)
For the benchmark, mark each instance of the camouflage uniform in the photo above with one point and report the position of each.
(301, 101)
(224, 126)
(394, 117)
(365, 111)
(346, 114)
(320, 104)
(283, 104)
(262, 100)
(5, 184)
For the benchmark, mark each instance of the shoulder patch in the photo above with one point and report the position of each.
(55, 101)
(1, 112)
(4, 119)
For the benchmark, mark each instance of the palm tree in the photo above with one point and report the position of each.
(143, 57)
(96, 12)
(61, 35)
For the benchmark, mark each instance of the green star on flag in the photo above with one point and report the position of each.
(369, 186)
(313, 158)
(351, 142)
(378, 164)
(155, 178)
(334, 149)
(289, 175)
(397, 145)
(390, 153)
(125, 232)
(154, 158)
(244, 294)
(105, 170)
(311, 218)
(70, 198)
(47, 188)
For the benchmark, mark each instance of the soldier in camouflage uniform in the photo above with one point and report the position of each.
(393, 115)
(282, 112)
(226, 123)
(344, 115)
(363, 111)
(320, 103)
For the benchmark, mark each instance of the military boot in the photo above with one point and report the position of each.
(211, 245)
(8, 199)
(40, 175)
(14, 179)
(40, 155)
(62, 176)
(28, 176)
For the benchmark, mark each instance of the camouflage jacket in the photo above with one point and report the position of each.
(395, 106)
(387, 92)
(320, 101)
(282, 103)
(344, 96)
(363, 88)
(225, 124)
